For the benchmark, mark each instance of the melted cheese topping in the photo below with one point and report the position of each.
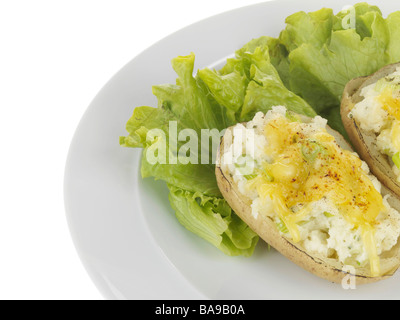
(307, 167)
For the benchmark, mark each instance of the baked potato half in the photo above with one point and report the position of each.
(370, 126)
(310, 230)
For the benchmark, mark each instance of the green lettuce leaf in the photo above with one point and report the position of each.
(393, 50)
(313, 28)
(279, 57)
(325, 53)
(228, 89)
(328, 65)
(190, 176)
(186, 99)
(249, 83)
(189, 105)
(213, 220)
(362, 26)
(265, 92)
(210, 100)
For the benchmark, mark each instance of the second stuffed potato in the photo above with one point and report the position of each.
(370, 112)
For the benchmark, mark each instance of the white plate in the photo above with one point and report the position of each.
(123, 227)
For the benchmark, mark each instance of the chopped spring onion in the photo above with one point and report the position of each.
(292, 117)
(282, 226)
(268, 176)
(246, 165)
(311, 150)
(250, 176)
(328, 215)
(396, 159)
(302, 222)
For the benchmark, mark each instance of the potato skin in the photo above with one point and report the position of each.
(365, 142)
(325, 268)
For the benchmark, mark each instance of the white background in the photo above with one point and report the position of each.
(55, 57)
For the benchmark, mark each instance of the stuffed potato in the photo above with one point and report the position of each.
(297, 184)
(370, 112)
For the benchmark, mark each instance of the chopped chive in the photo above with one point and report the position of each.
(302, 222)
(250, 176)
(328, 215)
(310, 150)
(267, 176)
